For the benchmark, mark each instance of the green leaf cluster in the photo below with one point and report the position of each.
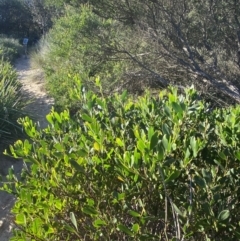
(149, 168)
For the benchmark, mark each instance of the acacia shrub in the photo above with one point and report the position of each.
(151, 168)
(78, 44)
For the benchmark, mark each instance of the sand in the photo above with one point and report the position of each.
(33, 89)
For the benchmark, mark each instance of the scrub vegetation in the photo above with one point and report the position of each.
(143, 140)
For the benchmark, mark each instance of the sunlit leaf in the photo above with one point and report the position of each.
(223, 215)
(96, 146)
(73, 219)
(125, 229)
(119, 142)
(134, 214)
(98, 223)
(135, 227)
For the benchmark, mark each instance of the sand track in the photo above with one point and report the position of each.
(33, 89)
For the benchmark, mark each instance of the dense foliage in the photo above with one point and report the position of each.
(148, 168)
(11, 104)
(161, 42)
(77, 45)
(15, 19)
(21, 18)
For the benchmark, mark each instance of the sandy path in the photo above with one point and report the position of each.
(33, 88)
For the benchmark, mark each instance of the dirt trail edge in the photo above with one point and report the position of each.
(33, 89)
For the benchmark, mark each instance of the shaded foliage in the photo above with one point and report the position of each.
(176, 42)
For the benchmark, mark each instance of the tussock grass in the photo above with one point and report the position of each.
(10, 48)
(12, 104)
(39, 52)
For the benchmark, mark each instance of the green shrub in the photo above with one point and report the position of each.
(163, 168)
(79, 43)
(10, 48)
(11, 103)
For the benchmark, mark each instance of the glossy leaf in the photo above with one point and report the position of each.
(223, 215)
(125, 229)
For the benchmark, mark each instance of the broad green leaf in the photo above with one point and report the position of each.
(160, 153)
(175, 174)
(96, 146)
(98, 223)
(183, 106)
(223, 215)
(21, 219)
(199, 181)
(125, 229)
(154, 141)
(100, 103)
(77, 166)
(237, 155)
(135, 228)
(124, 95)
(58, 204)
(186, 157)
(177, 210)
(177, 108)
(166, 130)
(165, 142)
(90, 202)
(27, 147)
(194, 146)
(98, 82)
(68, 227)
(58, 117)
(150, 132)
(81, 153)
(119, 142)
(59, 147)
(134, 214)
(73, 219)
(89, 210)
(222, 155)
(49, 118)
(36, 226)
(140, 145)
(87, 118)
(167, 111)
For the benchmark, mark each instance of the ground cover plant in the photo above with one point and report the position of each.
(11, 103)
(146, 168)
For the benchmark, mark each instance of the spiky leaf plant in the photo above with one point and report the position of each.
(11, 103)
